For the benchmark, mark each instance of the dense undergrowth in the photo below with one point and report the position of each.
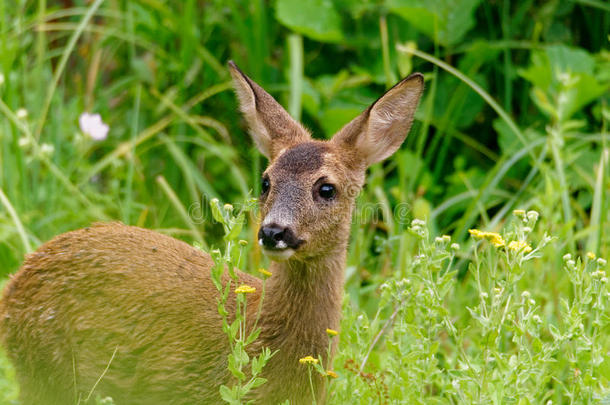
(514, 117)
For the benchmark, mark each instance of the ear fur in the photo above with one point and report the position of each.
(380, 130)
(271, 127)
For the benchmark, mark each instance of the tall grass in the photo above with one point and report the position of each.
(515, 116)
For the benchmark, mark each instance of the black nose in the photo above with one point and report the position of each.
(271, 235)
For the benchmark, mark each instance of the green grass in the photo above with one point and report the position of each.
(515, 116)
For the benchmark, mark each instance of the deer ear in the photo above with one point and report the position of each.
(380, 130)
(271, 127)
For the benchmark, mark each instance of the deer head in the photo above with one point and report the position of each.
(309, 188)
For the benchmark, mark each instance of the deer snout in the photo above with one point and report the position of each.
(278, 237)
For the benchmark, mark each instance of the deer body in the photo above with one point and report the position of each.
(129, 313)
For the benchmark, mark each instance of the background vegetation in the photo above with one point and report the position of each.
(515, 116)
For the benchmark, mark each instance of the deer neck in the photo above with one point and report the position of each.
(302, 300)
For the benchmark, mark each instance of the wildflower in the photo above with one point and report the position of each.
(331, 332)
(525, 295)
(308, 360)
(438, 239)
(264, 272)
(93, 126)
(601, 262)
(494, 238)
(537, 319)
(591, 255)
(598, 274)
(228, 207)
(446, 238)
(331, 374)
(47, 149)
(244, 289)
(21, 113)
(519, 213)
(24, 142)
(571, 263)
(567, 257)
(475, 233)
(418, 222)
(527, 229)
(520, 245)
(532, 216)
(243, 242)
(214, 201)
(455, 246)
(483, 295)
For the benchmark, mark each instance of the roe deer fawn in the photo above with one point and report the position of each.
(147, 300)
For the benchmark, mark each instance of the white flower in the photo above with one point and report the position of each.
(21, 113)
(47, 149)
(92, 125)
(24, 142)
(532, 215)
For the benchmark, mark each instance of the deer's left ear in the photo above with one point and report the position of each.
(380, 130)
(271, 127)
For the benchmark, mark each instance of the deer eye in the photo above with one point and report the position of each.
(327, 191)
(265, 185)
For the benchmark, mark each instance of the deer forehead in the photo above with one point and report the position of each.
(305, 161)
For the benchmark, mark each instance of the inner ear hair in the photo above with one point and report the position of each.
(380, 130)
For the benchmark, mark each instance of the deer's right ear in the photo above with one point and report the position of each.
(271, 127)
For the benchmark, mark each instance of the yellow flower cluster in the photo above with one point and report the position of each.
(308, 360)
(493, 237)
(520, 245)
(331, 374)
(265, 272)
(244, 289)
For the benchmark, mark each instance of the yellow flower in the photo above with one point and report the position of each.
(244, 289)
(265, 272)
(519, 245)
(332, 332)
(475, 233)
(591, 255)
(494, 238)
(308, 360)
(332, 374)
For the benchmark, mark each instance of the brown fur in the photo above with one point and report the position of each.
(142, 304)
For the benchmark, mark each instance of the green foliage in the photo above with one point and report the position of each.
(487, 338)
(235, 325)
(515, 115)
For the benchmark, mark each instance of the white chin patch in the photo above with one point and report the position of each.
(279, 255)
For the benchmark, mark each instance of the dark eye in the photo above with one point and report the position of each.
(327, 191)
(265, 185)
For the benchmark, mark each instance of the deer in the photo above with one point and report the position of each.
(133, 312)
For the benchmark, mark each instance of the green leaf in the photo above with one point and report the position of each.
(236, 226)
(225, 394)
(316, 19)
(235, 368)
(448, 20)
